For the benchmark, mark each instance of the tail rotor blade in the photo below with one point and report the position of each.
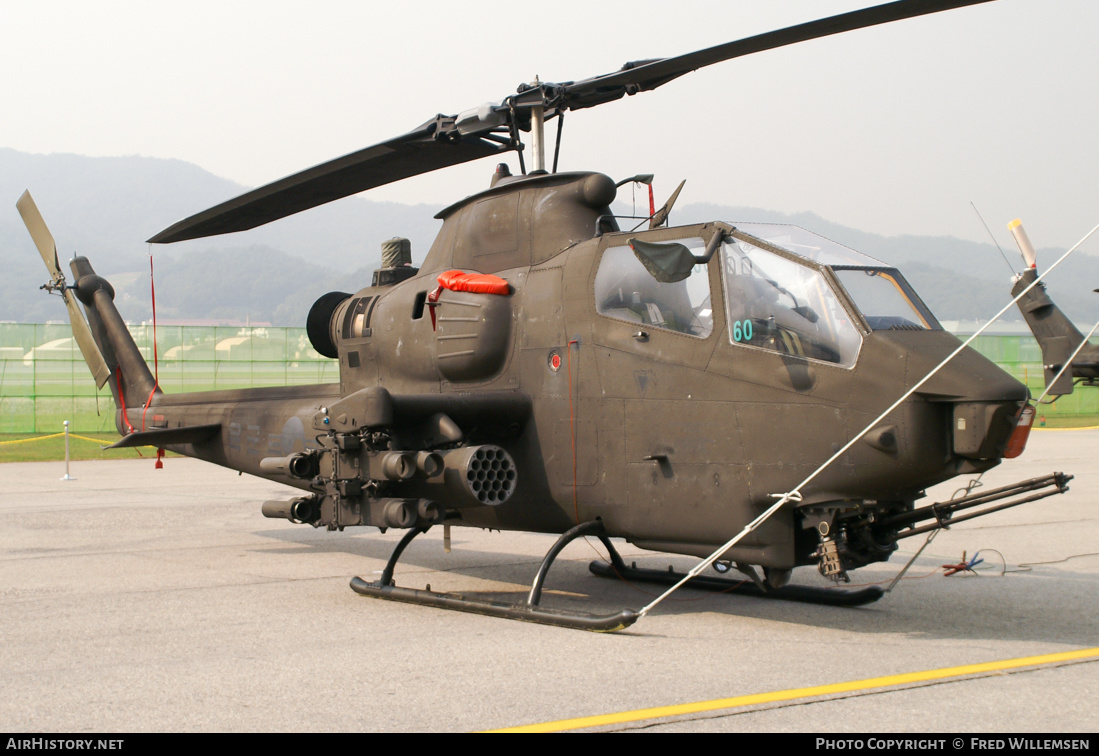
(1030, 257)
(43, 239)
(83, 335)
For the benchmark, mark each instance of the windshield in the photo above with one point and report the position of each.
(784, 306)
(886, 300)
(879, 291)
(808, 245)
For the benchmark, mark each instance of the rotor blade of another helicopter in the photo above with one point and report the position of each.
(661, 215)
(402, 157)
(643, 76)
(41, 235)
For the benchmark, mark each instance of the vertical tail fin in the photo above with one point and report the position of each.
(1057, 336)
(1059, 339)
(132, 383)
(103, 338)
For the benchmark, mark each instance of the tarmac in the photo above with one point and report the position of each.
(143, 600)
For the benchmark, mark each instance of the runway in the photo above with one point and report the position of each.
(142, 600)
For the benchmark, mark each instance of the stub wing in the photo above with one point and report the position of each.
(162, 437)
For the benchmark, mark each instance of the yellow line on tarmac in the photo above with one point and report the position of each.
(1082, 427)
(659, 712)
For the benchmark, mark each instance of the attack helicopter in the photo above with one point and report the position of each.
(1067, 357)
(545, 370)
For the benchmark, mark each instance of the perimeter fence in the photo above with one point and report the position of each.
(44, 381)
(1020, 356)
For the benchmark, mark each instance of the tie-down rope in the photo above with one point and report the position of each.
(795, 493)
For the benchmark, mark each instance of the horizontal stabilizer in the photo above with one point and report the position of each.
(161, 437)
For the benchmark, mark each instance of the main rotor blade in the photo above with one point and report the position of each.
(83, 335)
(411, 154)
(440, 143)
(647, 75)
(41, 235)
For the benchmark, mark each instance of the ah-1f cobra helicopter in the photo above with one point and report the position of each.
(1066, 354)
(544, 370)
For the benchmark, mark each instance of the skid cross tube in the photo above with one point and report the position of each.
(387, 573)
(594, 528)
(529, 611)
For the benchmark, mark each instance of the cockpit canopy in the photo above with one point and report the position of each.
(878, 290)
(786, 290)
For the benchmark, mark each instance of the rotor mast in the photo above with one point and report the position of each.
(538, 131)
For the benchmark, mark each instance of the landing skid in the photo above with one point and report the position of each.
(805, 594)
(529, 611)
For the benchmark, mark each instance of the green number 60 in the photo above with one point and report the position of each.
(742, 330)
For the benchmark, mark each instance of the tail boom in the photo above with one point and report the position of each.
(132, 383)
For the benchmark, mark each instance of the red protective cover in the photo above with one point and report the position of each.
(480, 283)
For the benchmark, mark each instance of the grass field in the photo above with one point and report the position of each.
(43, 381)
(1064, 423)
(24, 447)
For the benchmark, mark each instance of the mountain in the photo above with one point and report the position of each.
(958, 279)
(106, 207)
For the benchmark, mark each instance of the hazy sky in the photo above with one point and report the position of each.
(893, 129)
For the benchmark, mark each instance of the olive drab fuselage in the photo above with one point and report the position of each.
(671, 428)
(751, 393)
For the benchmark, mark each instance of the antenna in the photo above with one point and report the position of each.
(989, 230)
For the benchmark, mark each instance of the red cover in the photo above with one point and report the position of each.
(480, 283)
